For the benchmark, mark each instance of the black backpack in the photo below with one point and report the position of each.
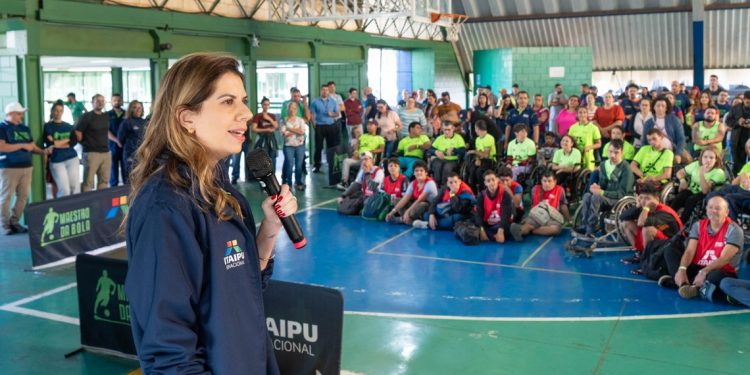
(653, 264)
(467, 232)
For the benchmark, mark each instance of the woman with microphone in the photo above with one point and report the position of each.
(197, 267)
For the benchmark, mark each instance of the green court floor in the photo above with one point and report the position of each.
(376, 345)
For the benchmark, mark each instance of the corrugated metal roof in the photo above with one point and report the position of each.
(623, 42)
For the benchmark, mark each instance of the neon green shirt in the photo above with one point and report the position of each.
(368, 142)
(443, 143)
(403, 146)
(652, 162)
(715, 175)
(521, 151)
(567, 160)
(706, 134)
(486, 142)
(628, 151)
(745, 169)
(585, 135)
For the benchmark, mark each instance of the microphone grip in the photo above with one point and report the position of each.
(271, 185)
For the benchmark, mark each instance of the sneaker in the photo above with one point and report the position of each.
(688, 291)
(317, 170)
(300, 187)
(667, 281)
(420, 224)
(635, 259)
(7, 231)
(18, 228)
(515, 231)
(707, 291)
(342, 186)
(234, 181)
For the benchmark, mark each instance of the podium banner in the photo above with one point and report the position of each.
(64, 227)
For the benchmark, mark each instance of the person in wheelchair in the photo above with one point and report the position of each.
(653, 162)
(628, 151)
(551, 215)
(446, 152)
(587, 138)
(697, 180)
(566, 163)
(615, 181)
(521, 151)
(455, 202)
(516, 191)
(548, 149)
(709, 132)
(737, 194)
(369, 141)
(484, 154)
(412, 148)
(494, 209)
(712, 255)
(649, 220)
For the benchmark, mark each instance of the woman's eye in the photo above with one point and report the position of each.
(229, 101)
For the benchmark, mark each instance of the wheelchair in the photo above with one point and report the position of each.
(610, 235)
(468, 171)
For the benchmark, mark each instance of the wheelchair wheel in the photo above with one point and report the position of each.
(579, 185)
(668, 192)
(465, 171)
(575, 221)
(620, 207)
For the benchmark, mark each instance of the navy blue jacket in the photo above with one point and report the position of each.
(115, 122)
(195, 286)
(130, 135)
(15, 134)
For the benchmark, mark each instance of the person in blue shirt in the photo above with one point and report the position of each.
(116, 117)
(130, 135)
(325, 111)
(16, 147)
(63, 161)
(197, 267)
(522, 114)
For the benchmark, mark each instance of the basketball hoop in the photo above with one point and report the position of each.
(452, 23)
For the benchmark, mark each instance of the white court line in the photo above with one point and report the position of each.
(72, 259)
(323, 203)
(39, 295)
(372, 251)
(538, 249)
(15, 306)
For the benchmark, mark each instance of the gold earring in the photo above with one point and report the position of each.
(191, 130)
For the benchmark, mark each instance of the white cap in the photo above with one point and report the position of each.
(14, 107)
(366, 154)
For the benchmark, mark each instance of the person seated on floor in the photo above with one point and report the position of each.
(549, 210)
(521, 151)
(615, 182)
(494, 209)
(653, 162)
(505, 175)
(412, 148)
(446, 152)
(712, 254)
(484, 152)
(395, 184)
(566, 162)
(455, 202)
(369, 141)
(702, 175)
(548, 149)
(366, 184)
(737, 290)
(416, 201)
(738, 193)
(649, 220)
(628, 151)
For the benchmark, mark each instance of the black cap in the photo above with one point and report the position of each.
(747, 94)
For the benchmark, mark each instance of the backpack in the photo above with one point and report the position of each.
(467, 232)
(376, 206)
(353, 204)
(653, 264)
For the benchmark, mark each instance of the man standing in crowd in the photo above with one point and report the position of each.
(353, 110)
(522, 114)
(16, 146)
(325, 111)
(631, 105)
(116, 116)
(76, 108)
(714, 89)
(491, 97)
(723, 103)
(303, 111)
(371, 103)
(738, 120)
(92, 132)
(556, 102)
(447, 109)
(341, 120)
(680, 99)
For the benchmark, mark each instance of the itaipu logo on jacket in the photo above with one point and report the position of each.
(119, 204)
(234, 256)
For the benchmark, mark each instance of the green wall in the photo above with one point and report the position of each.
(345, 76)
(422, 68)
(493, 67)
(531, 68)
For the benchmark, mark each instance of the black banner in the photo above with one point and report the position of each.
(305, 324)
(104, 309)
(335, 157)
(61, 228)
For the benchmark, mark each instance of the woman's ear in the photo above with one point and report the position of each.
(186, 118)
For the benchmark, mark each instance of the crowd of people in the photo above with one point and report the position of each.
(511, 165)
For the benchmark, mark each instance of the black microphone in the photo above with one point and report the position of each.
(261, 168)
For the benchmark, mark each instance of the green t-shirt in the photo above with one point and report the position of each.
(403, 146)
(609, 167)
(628, 151)
(285, 109)
(442, 144)
(585, 135)
(745, 169)
(76, 109)
(567, 160)
(521, 151)
(369, 142)
(652, 162)
(483, 143)
(706, 134)
(715, 175)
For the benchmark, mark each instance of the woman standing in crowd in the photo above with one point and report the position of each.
(568, 115)
(542, 113)
(63, 161)
(431, 114)
(608, 116)
(265, 125)
(293, 130)
(130, 135)
(670, 126)
(483, 107)
(390, 126)
(639, 120)
(410, 114)
(591, 106)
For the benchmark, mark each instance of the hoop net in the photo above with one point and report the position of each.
(452, 23)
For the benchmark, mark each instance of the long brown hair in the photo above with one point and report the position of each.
(130, 113)
(185, 86)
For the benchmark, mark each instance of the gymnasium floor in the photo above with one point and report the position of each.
(419, 302)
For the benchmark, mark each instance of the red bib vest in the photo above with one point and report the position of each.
(710, 247)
